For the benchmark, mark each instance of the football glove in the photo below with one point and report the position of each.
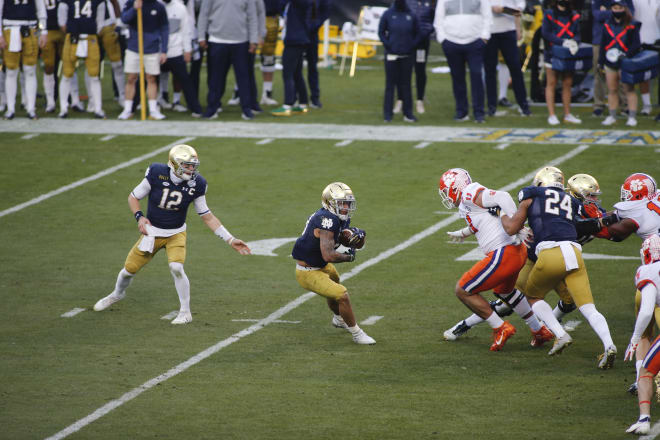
(459, 236)
(494, 211)
(351, 253)
(571, 45)
(630, 351)
(358, 235)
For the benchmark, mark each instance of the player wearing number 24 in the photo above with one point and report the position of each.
(170, 190)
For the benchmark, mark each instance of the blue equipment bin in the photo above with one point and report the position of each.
(641, 67)
(563, 61)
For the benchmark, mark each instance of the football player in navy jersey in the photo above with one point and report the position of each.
(170, 189)
(552, 215)
(316, 249)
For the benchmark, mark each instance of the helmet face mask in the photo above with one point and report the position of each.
(585, 188)
(183, 161)
(451, 185)
(338, 198)
(549, 176)
(638, 186)
(650, 251)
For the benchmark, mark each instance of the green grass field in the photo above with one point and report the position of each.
(300, 379)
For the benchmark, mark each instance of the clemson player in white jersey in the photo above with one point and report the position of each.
(505, 256)
(647, 281)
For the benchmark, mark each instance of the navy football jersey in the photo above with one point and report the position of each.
(307, 247)
(168, 202)
(51, 14)
(552, 214)
(81, 18)
(19, 10)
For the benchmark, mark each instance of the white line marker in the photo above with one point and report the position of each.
(132, 394)
(422, 145)
(93, 177)
(344, 143)
(502, 146)
(170, 315)
(278, 321)
(444, 212)
(571, 325)
(29, 136)
(265, 141)
(71, 313)
(655, 430)
(371, 320)
(108, 137)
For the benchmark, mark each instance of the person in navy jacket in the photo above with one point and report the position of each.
(561, 26)
(619, 39)
(399, 31)
(319, 12)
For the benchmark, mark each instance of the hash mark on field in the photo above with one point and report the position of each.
(170, 315)
(502, 146)
(655, 430)
(108, 137)
(29, 136)
(371, 320)
(344, 143)
(265, 141)
(571, 325)
(422, 145)
(279, 321)
(71, 313)
(135, 392)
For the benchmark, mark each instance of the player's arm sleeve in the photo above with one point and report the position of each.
(646, 308)
(490, 198)
(100, 16)
(2, 6)
(42, 15)
(200, 205)
(62, 12)
(142, 190)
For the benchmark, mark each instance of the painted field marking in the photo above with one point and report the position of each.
(571, 325)
(135, 392)
(277, 321)
(265, 141)
(422, 145)
(93, 177)
(502, 146)
(108, 137)
(170, 315)
(71, 313)
(655, 430)
(29, 136)
(371, 320)
(344, 143)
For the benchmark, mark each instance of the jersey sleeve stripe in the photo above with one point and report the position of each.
(644, 282)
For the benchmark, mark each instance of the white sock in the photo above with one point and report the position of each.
(494, 320)
(646, 99)
(638, 367)
(544, 312)
(163, 83)
(3, 96)
(598, 323)
(268, 86)
(65, 88)
(153, 106)
(355, 329)
(21, 79)
(118, 74)
(75, 93)
(473, 320)
(90, 95)
(503, 80)
(30, 73)
(182, 285)
(123, 280)
(10, 89)
(176, 97)
(49, 88)
(95, 94)
(128, 106)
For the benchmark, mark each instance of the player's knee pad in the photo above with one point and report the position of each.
(30, 71)
(512, 299)
(267, 63)
(177, 270)
(566, 307)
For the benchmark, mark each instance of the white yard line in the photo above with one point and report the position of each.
(108, 137)
(371, 320)
(655, 430)
(91, 178)
(502, 146)
(132, 394)
(72, 312)
(344, 143)
(29, 136)
(422, 145)
(278, 321)
(265, 141)
(170, 316)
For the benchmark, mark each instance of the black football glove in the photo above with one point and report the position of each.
(610, 219)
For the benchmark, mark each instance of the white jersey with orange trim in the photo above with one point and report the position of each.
(649, 274)
(486, 226)
(645, 213)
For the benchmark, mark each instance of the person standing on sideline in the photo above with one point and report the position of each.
(647, 12)
(232, 28)
(171, 188)
(319, 13)
(504, 37)
(463, 28)
(399, 31)
(268, 51)
(315, 251)
(155, 29)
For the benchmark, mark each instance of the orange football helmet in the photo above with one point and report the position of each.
(650, 250)
(638, 186)
(451, 185)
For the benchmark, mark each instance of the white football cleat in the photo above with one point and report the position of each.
(182, 318)
(164, 104)
(631, 122)
(177, 107)
(606, 360)
(106, 302)
(363, 339)
(338, 322)
(560, 344)
(156, 115)
(125, 115)
(234, 100)
(267, 100)
(453, 333)
(641, 426)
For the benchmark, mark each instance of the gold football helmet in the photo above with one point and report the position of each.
(338, 198)
(184, 161)
(549, 176)
(584, 187)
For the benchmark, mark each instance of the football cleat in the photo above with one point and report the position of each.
(8, 116)
(610, 120)
(182, 318)
(63, 115)
(338, 322)
(32, 115)
(267, 99)
(78, 108)
(156, 115)
(641, 426)
(234, 100)
(162, 102)
(125, 115)
(362, 338)
(50, 108)
(632, 389)
(281, 111)
(299, 110)
(178, 107)
(453, 333)
(560, 344)
(106, 302)
(631, 122)
(541, 337)
(501, 334)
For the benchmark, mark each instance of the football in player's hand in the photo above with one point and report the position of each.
(353, 237)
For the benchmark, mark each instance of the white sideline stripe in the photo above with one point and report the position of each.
(344, 143)
(502, 146)
(105, 409)
(170, 315)
(371, 320)
(422, 145)
(29, 136)
(108, 137)
(277, 321)
(72, 312)
(93, 177)
(265, 141)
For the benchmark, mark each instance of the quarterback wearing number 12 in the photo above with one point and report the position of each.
(170, 189)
